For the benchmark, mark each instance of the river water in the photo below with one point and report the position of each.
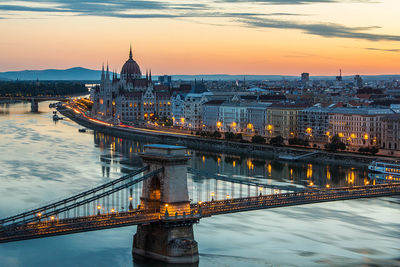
(43, 161)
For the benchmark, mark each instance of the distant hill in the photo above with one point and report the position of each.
(84, 74)
(76, 73)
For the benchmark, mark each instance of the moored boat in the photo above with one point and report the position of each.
(391, 168)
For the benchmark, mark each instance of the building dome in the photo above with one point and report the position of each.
(131, 69)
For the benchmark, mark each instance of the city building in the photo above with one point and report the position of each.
(257, 118)
(357, 126)
(313, 123)
(130, 98)
(165, 80)
(282, 120)
(211, 115)
(233, 116)
(390, 132)
(358, 81)
(305, 78)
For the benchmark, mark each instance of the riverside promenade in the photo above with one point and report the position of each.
(215, 145)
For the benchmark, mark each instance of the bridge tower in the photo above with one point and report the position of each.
(34, 105)
(167, 194)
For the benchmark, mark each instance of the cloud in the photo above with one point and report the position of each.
(383, 50)
(321, 29)
(145, 9)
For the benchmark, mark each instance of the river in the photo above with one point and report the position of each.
(43, 161)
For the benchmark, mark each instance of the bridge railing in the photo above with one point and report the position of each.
(27, 216)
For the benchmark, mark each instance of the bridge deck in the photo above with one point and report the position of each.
(86, 224)
(33, 230)
(292, 199)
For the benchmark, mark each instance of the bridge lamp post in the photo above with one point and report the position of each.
(228, 196)
(311, 183)
(52, 218)
(98, 209)
(39, 215)
(212, 196)
(328, 185)
(260, 189)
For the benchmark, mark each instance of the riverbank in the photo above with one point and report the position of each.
(216, 145)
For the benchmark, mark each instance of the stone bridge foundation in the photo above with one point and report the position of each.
(170, 241)
(34, 105)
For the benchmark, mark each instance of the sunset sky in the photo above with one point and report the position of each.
(284, 37)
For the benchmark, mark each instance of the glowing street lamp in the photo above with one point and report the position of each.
(228, 196)
(212, 196)
(219, 124)
(130, 198)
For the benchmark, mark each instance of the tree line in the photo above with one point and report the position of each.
(36, 88)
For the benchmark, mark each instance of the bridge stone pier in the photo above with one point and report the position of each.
(170, 241)
(34, 105)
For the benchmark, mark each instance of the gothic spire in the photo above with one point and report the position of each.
(130, 52)
(150, 75)
(107, 73)
(102, 72)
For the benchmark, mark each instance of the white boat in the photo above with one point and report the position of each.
(391, 168)
(380, 177)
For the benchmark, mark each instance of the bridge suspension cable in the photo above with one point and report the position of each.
(72, 198)
(88, 200)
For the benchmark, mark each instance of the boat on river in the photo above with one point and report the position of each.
(390, 168)
(381, 177)
(56, 117)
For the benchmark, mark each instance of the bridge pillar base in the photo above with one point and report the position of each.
(34, 106)
(161, 242)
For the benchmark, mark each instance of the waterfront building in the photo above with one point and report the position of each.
(130, 98)
(313, 123)
(282, 120)
(257, 118)
(178, 105)
(390, 132)
(211, 115)
(193, 109)
(358, 126)
(233, 116)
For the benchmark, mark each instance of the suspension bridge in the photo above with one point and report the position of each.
(156, 198)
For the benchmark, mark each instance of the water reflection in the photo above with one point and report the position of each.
(43, 161)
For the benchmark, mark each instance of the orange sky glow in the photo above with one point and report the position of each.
(212, 37)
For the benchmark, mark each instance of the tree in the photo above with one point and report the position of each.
(216, 134)
(276, 141)
(335, 144)
(258, 139)
(229, 136)
(298, 141)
